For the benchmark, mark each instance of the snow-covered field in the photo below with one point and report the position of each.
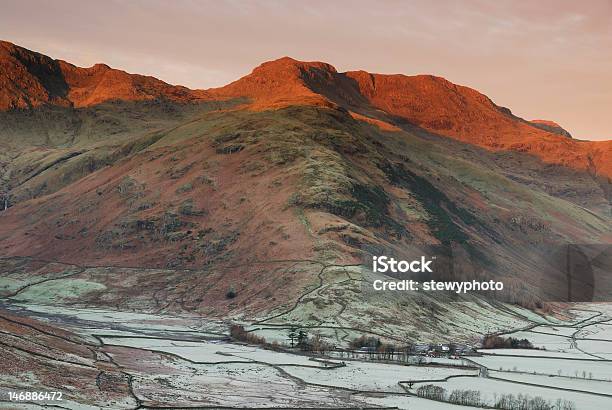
(555, 367)
(599, 348)
(566, 353)
(577, 356)
(234, 385)
(355, 374)
(571, 383)
(409, 402)
(556, 330)
(373, 376)
(213, 352)
(545, 341)
(107, 318)
(491, 389)
(202, 368)
(598, 331)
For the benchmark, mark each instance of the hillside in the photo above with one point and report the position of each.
(295, 163)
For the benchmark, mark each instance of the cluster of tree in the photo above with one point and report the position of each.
(432, 392)
(461, 397)
(504, 402)
(522, 401)
(237, 332)
(365, 341)
(315, 343)
(387, 353)
(498, 342)
(382, 351)
(465, 398)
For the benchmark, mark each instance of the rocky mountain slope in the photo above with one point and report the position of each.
(294, 163)
(29, 79)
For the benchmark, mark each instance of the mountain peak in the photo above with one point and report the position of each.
(280, 83)
(29, 79)
(100, 67)
(291, 63)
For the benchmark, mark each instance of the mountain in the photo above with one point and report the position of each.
(276, 182)
(432, 103)
(29, 79)
(428, 102)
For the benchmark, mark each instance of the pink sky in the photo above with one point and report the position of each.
(544, 59)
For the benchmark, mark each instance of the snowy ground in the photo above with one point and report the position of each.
(186, 361)
(213, 352)
(570, 383)
(373, 376)
(563, 353)
(491, 389)
(554, 367)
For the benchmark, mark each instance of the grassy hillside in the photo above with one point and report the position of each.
(199, 186)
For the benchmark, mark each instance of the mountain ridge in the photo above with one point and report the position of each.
(29, 79)
(432, 103)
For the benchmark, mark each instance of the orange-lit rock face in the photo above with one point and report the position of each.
(451, 110)
(279, 83)
(89, 86)
(29, 79)
(385, 126)
(433, 103)
(429, 102)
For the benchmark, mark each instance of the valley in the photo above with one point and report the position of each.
(153, 360)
